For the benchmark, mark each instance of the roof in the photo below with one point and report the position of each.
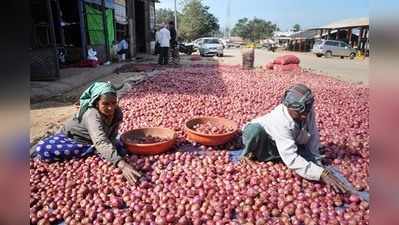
(347, 23)
(307, 34)
(283, 33)
(236, 38)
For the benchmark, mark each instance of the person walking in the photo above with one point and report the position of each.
(164, 43)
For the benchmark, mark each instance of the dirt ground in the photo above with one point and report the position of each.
(355, 71)
(48, 116)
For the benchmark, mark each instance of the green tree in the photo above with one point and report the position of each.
(296, 27)
(164, 16)
(197, 21)
(240, 28)
(253, 30)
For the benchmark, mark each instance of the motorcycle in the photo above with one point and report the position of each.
(272, 48)
(187, 49)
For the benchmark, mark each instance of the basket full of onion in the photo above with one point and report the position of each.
(210, 130)
(149, 141)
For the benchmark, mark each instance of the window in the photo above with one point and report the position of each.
(211, 41)
(343, 45)
(198, 41)
(332, 43)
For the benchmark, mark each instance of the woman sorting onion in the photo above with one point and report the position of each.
(93, 129)
(289, 133)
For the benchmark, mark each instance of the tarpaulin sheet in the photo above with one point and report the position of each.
(120, 14)
(95, 26)
(235, 155)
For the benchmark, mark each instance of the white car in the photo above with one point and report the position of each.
(196, 43)
(211, 47)
(224, 42)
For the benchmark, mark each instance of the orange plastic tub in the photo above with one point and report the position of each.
(153, 148)
(210, 139)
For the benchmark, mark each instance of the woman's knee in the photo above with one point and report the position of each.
(253, 131)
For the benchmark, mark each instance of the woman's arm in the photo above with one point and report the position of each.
(288, 151)
(105, 147)
(101, 142)
(115, 126)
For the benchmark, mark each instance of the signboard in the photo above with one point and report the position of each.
(120, 13)
(120, 2)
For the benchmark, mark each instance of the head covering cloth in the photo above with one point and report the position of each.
(299, 98)
(91, 94)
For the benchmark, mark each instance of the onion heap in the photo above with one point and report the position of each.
(209, 128)
(207, 187)
(149, 139)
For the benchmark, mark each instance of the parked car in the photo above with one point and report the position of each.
(211, 46)
(196, 43)
(330, 48)
(223, 42)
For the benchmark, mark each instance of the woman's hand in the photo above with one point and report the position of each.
(128, 172)
(331, 180)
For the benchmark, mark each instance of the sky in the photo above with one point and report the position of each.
(284, 13)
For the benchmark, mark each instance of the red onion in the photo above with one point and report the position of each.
(192, 187)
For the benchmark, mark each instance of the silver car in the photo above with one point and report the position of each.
(211, 46)
(196, 43)
(330, 48)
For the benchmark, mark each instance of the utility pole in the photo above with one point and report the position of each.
(227, 25)
(132, 26)
(105, 29)
(176, 19)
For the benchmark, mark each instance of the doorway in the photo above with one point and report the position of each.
(140, 26)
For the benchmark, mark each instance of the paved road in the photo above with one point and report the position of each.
(356, 71)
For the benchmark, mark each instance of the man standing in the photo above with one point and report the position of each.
(289, 133)
(156, 52)
(164, 43)
(173, 43)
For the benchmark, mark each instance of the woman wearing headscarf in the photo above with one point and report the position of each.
(289, 133)
(93, 129)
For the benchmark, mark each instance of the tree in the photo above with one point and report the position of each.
(164, 16)
(296, 27)
(253, 30)
(240, 28)
(197, 21)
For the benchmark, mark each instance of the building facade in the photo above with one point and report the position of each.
(62, 31)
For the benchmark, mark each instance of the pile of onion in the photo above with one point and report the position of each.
(207, 187)
(209, 128)
(146, 140)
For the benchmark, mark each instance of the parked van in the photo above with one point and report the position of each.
(330, 48)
